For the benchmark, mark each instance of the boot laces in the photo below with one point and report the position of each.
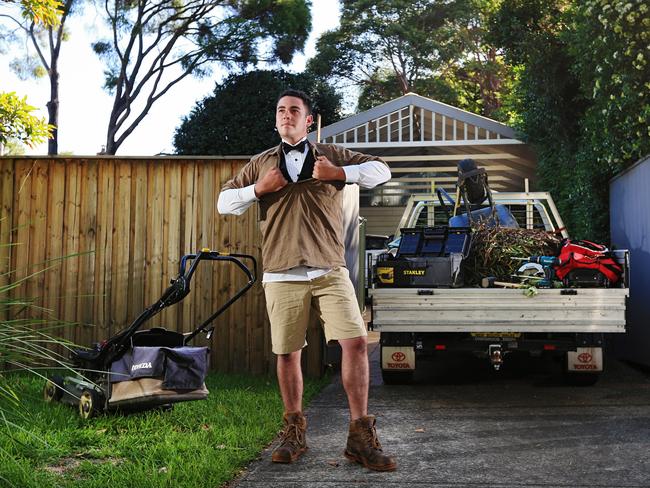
(372, 439)
(291, 435)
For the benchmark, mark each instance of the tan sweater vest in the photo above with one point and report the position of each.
(302, 223)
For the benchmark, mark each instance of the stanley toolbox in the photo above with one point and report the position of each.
(426, 257)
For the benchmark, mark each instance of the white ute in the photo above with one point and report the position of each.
(569, 323)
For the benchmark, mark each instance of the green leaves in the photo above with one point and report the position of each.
(240, 116)
(413, 39)
(18, 123)
(102, 48)
(42, 25)
(611, 52)
(583, 96)
(435, 49)
(44, 12)
(27, 67)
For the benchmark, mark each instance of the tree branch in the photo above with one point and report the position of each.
(64, 15)
(156, 37)
(16, 21)
(38, 48)
(150, 101)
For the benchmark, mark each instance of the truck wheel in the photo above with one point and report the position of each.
(580, 379)
(397, 377)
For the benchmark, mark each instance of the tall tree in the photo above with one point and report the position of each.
(156, 44)
(43, 23)
(239, 118)
(483, 76)
(437, 49)
(402, 40)
(583, 96)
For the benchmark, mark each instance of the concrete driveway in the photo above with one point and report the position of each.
(466, 426)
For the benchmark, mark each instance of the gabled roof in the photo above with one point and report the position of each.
(423, 140)
(412, 118)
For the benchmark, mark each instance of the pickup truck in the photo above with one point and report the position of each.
(567, 323)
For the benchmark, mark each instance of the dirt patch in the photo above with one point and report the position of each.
(67, 464)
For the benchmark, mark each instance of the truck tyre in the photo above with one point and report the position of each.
(397, 377)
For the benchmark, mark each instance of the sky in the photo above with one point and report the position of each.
(84, 106)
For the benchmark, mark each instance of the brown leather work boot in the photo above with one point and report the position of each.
(293, 439)
(364, 448)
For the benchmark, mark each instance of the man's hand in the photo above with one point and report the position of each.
(271, 182)
(325, 170)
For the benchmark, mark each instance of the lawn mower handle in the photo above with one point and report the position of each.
(180, 287)
(216, 256)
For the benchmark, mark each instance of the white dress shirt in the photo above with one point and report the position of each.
(237, 200)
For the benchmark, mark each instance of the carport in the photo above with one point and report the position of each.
(422, 140)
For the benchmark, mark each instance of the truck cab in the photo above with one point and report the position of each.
(531, 210)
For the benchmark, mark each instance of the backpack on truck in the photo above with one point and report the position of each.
(587, 264)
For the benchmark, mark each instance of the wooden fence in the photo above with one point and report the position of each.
(109, 234)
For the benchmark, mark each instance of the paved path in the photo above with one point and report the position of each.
(474, 428)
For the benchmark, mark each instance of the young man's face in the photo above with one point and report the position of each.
(291, 119)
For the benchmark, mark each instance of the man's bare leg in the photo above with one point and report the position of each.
(293, 440)
(361, 447)
(355, 374)
(290, 381)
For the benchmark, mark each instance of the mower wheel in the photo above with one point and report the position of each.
(90, 404)
(53, 389)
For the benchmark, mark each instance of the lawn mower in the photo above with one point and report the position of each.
(144, 369)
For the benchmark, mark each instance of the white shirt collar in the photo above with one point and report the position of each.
(295, 142)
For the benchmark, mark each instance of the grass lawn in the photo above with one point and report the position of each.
(196, 444)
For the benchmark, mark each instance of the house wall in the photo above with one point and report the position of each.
(630, 229)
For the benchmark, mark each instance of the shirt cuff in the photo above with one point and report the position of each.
(351, 174)
(248, 193)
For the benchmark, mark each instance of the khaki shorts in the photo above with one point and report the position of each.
(331, 297)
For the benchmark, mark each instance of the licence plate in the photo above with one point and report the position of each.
(496, 335)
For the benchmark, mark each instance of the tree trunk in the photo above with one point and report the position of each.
(56, 38)
(53, 110)
(120, 105)
(111, 146)
(403, 83)
(491, 84)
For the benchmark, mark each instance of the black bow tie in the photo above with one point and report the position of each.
(300, 147)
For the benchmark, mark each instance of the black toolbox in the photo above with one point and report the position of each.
(427, 257)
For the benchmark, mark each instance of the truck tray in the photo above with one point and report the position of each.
(584, 310)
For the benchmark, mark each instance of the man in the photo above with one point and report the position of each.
(298, 186)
